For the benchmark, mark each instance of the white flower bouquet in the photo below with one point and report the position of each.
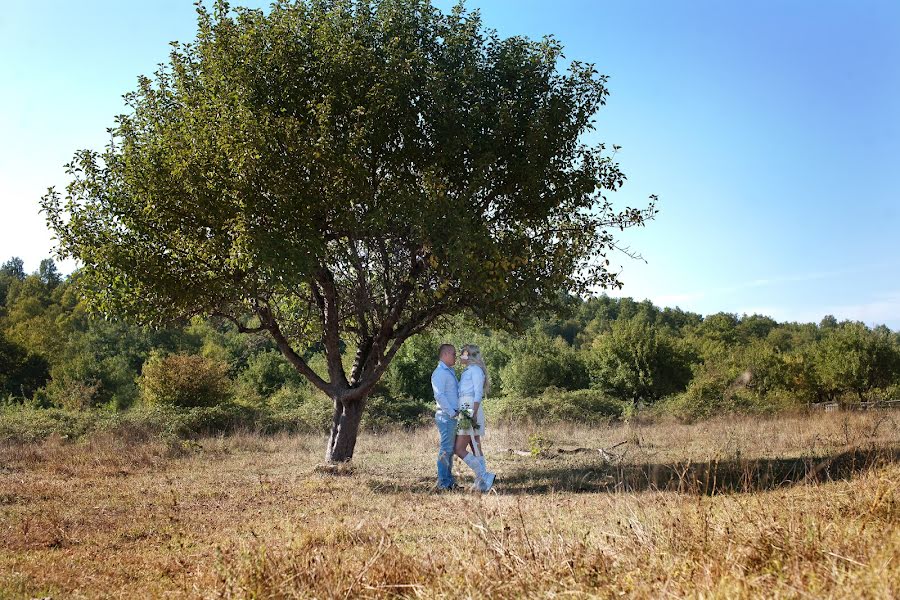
(466, 420)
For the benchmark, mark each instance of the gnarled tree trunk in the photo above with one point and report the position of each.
(344, 429)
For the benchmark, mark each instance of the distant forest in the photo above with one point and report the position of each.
(604, 352)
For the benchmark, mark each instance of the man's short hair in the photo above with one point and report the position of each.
(445, 348)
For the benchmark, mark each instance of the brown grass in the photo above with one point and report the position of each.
(799, 506)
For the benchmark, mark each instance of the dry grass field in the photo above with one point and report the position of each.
(803, 506)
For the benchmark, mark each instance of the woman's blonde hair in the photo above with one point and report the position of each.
(475, 358)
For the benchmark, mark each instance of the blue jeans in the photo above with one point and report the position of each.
(446, 426)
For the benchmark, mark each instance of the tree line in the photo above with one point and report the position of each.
(604, 352)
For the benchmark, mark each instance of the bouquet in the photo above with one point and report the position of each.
(466, 420)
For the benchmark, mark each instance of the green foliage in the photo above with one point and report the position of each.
(20, 423)
(49, 274)
(297, 408)
(635, 361)
(538, 444)
(542, 363)
(185, 381)
(219, 340)
(410, 373)
(755, 380)
(21, 373)
(53, 353)
(84, 380)
(383, 411)
(33, 317)
(14, 267)
(720, 327)
(73, 394)
(755, 327)
(707, 397)
(853, 358)
(28, 424)
(555, 405)
(266, 373)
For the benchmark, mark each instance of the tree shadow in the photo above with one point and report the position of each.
(700, 478)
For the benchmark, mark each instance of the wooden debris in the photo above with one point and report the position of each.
(604, 452)
(518, 452)
(570, 450)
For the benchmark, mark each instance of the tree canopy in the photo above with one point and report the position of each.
(347, 172)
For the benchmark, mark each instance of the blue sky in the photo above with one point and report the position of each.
(770, 130)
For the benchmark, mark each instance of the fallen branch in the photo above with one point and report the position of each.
(604, 452)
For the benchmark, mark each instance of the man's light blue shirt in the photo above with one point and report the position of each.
(446, 389)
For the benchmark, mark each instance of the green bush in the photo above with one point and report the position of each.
(185, 381)
(297, 408)
(21, 373)
(555, 405)
(382, 411)
(81, 381)
(636, 361)
(266, 373)
(19, 423)
(410, 371)
(709, 395)
(72, 394)
(555, 365)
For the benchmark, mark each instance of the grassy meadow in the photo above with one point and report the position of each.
(799, 506)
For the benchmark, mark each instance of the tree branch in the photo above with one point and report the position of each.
(386, 332)
(295, 359)
(240, 326)
(362, 290)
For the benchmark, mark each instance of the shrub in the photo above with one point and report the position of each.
(72, 394)
(715, 392)
(20, 423)
(82, 380)
(185, 380)
(410, 372)
(538, 444)
(266, 373)
(555, 405)
(853, 358)
(382, 411)
(557, 366)
(22, 373)
(297, 408)
(222, 418)
(635, 361)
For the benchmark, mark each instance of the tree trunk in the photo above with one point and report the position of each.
(344, 428)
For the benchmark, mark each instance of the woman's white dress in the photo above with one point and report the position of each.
(471, 390)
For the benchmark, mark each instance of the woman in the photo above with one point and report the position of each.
(473, 387)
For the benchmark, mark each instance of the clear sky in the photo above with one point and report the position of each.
(769, 129)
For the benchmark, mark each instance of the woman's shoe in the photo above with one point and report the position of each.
(487, 478)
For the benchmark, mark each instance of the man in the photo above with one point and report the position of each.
(446, 394)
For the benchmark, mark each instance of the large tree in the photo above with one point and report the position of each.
(344, 173)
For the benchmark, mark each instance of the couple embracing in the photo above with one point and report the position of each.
(460, 416)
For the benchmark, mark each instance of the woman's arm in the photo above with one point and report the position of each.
(477, 376)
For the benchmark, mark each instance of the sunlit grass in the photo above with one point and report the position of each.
(788, 507)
